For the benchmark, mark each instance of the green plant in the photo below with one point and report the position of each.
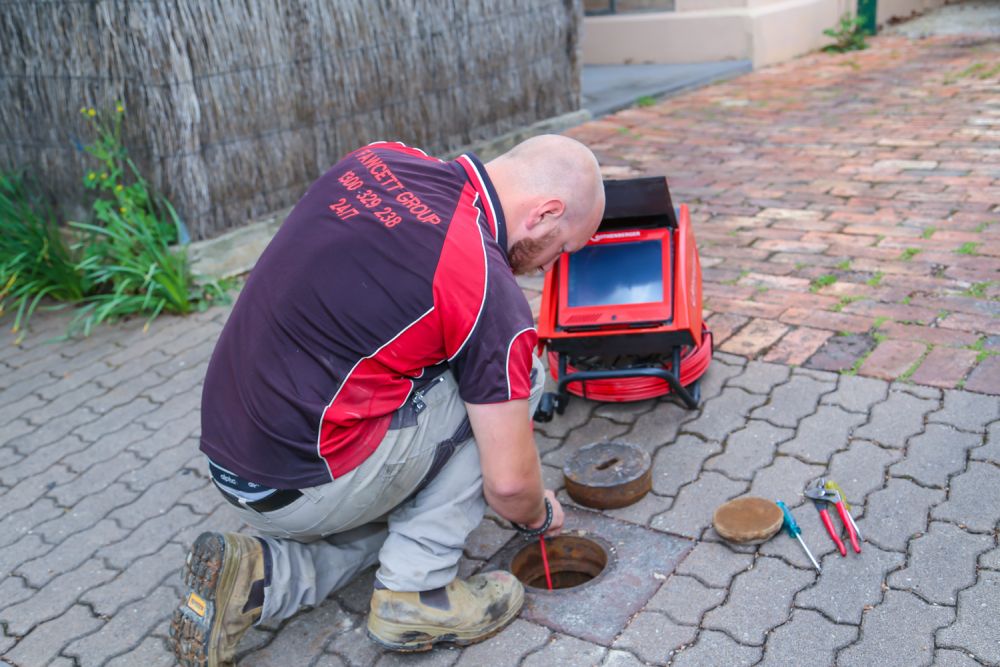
(844, 265)
(968, 248)
(35, 261)
(821, 282)
(848, 35)
(909, 254)
(978, 290)
(645, 101)
(875, 280)
(928, 232)
(126, 254)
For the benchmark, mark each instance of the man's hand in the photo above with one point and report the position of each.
(558, 517)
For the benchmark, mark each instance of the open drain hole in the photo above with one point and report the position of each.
(573, 561)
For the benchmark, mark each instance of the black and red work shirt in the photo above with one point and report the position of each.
(392, 263)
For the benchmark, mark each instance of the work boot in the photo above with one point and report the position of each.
(463, 612)
(225, 579)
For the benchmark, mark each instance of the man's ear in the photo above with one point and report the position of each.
(546, 214)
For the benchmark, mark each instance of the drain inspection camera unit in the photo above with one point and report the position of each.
(621, 318)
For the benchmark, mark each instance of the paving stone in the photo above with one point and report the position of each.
(897, 513)
(797, 346)
(659, 426)
(680, 462)
(723, 414)
(839, 353)
(977, 628)
(892, 358)
(990, 560)
(186, 381)
(356, 596)
(643, 511)
(26, 381)
(894, 420)
(990, 451)
(75, 386)
(759, 377)
(174, 409)
(40, 460)
(45, 641)
(441, 657)
(792, 401)
(115, 419)
(15, 409)
(692, 511)
(823, 433)
(55, 598)
(624, 413)
(935, 455)
(15, 431)
(84, 514)
(860, 470)
(330, 660)
(354, 646)
(596, 430)
(928, 393)
(685, 599)
(578, 412)
(900, 631)
(714, 564)
(720, 371)
(31, 489)
(507, 648)
(17, 524)
(54, 430)
(303, 639)
(68, 555)
(152, 652)
(848, 585)
(26, 548)
(94, 479)
(984, 377)
(654, 637)
(136, 581)
(748, 450)
(106, 448)
(808, 639)
(813, 534)
(967, 411)
(953, 658)
(148, 538)
(616, 658)
(565, 650)
(545, 444)
(155, 498)
(12, 591)
(857, 394)
(123, 373)
(743, 616)
(487, 539)
(126, 629)
(784, 479)
(942, 562)
(715, 648)
(974, 500)
(124, 393)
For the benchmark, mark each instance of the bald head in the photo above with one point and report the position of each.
(551, 192)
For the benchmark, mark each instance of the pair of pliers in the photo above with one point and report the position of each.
(833, 486)
(820, 495)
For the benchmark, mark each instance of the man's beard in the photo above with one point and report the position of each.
(524, 254)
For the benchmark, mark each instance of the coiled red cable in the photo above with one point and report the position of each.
(694, 363)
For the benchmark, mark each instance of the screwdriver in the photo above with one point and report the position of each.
(796, 532)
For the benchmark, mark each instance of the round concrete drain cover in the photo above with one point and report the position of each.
(573, 560)
(607, 475)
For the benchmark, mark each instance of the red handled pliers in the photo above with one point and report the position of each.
(821, 495)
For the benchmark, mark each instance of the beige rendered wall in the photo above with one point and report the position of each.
(762, 31)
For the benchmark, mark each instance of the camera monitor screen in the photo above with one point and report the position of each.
(618, 278)
(617, 273)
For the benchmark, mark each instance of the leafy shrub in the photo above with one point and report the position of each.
(849, 35)
(35, 260)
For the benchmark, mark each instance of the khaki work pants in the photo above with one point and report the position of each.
(409, 507)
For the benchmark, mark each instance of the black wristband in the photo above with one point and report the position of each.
(541, 530)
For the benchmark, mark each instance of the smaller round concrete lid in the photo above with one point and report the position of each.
(748, 520)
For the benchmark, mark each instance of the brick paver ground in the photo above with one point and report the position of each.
(793, 171)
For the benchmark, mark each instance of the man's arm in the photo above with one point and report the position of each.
(512, 474)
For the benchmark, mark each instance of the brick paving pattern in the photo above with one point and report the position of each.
(795, 172)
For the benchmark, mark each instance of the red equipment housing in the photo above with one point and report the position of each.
(647, 344)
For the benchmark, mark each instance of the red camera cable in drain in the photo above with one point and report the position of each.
(545, 562)
(694, 363)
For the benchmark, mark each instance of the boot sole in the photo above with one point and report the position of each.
(209, 586)
(422, 638)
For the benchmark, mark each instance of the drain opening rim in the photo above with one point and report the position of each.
(601, 558)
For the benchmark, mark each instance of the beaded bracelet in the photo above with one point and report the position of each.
(541, 530)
